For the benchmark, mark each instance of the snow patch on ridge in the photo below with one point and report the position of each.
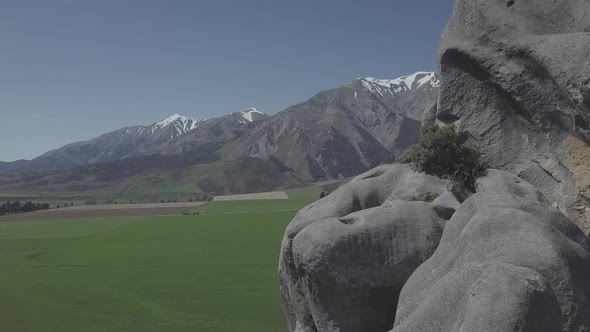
(402, 84)
(249, 114)
(166, 122)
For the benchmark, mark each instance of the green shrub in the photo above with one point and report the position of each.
(440, 152)
(425, 195)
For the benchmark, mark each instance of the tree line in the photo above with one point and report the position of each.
(18, 207)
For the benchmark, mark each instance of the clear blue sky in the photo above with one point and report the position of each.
(73, 69)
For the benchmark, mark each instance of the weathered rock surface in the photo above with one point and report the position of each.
(516, 76)
(345, 258)
(506, 262)
(371, 257)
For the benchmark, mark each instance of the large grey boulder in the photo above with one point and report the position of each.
(345, 258)
(373, 257)
(507, 261)
(516, 76)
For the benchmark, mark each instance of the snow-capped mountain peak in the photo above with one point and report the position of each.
(401, 84)
(251, 113)
(182, 124)
(166, 122)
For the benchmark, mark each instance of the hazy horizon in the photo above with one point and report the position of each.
(73, 70)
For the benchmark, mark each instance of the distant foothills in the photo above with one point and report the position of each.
(335, 134)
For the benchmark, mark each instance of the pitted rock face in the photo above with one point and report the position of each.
(516, 76)
(506, 19)
(372, 257)
(345, 258)
(506, 262)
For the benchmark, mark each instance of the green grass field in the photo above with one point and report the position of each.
(216, 271)
(213, 272)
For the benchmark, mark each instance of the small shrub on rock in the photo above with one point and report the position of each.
(424, 195)
(441, 153)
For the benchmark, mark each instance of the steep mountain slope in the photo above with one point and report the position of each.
(249, 175)
(174, 135)
(214, 133)
(347, 130)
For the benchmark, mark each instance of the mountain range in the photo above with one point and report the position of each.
(174, 135)
(336, 133)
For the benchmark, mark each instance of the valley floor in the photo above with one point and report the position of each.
(104, 211)
(183, 273)
(251, 201)
(215, 271)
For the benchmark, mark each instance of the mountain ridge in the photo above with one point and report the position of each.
(157, 138)
(336, 133)
(347, 130)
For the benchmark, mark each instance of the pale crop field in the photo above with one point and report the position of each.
(257, 196)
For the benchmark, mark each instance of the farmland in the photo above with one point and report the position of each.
(298, 198)
(216, 271)
(104, 211)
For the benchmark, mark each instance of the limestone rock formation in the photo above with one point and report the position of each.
(516, 76)
(345, 258)
(372, 257)
(514, 256)
(507, 261)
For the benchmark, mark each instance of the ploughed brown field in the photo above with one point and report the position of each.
(105, 211)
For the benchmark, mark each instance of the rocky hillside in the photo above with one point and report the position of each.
(347, 130)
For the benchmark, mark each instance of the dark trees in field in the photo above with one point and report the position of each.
(18, 207)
